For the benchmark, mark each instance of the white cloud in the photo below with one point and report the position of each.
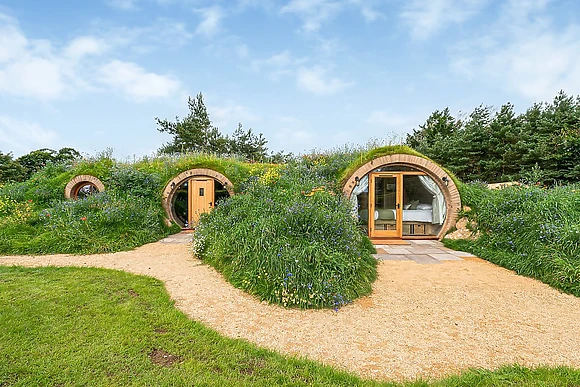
(123, 4)
(12, 41)
(525, 52)
(226, 117)
(427, 17)
(386, 118)
(292, 139)
(37, 77)
(27, 68)
(316, 80)
(277, 65)
(313, 12)
(210, 24)
(136, 82)
(83, 46)
(23, 136)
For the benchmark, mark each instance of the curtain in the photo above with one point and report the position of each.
(363, 185)
(439, 206)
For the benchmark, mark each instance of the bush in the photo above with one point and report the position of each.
(104, 222)
(290, 240)
(534, 231)
(131, 181)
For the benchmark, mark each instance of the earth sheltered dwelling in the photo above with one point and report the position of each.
(403, 196)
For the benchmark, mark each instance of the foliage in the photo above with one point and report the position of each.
(533, 230)
(104, 222)
(38, 159)
(291, 241)
(196, 133)
(500, 145)
(132, 181)
(86, 326)
(10, 169)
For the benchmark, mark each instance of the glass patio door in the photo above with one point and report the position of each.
(385, 198)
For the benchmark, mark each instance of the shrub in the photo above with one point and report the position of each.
(131, 181)
(291, 241)
(104, 222)
(534, 231)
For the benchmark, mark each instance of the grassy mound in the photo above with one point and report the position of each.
(534, 231)
(289, 238)
(35, 218)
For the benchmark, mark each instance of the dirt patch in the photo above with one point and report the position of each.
(133, 293)
(163, 358)
(420, 321)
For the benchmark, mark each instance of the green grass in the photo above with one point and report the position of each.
(80, 326)
(290, 239)
(534, 231)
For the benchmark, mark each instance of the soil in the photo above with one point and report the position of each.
(420, 321)
(163, 358)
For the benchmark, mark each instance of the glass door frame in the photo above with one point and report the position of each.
(398, 232)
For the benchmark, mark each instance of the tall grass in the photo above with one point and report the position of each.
(534, 231)
(290, 239)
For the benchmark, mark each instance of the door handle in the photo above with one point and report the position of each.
(398, 205)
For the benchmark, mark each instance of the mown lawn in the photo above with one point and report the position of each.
(79, 326)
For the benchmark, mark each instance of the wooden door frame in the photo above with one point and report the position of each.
(398, 232)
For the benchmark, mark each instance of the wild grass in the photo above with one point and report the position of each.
(534, 231)
(81, 326)
(290, 239)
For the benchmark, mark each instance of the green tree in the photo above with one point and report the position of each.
(10, 169)
(37, 159)
(195, 132)
(248, 145)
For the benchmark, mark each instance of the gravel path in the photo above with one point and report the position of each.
(421, 320)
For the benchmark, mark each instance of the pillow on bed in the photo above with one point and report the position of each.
(423, 206)
(406, 206)
(414, 204)
(385, 214)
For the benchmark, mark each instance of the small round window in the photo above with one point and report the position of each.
(83, 186)
(85, 190)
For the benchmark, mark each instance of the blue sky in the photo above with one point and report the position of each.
(306, 73)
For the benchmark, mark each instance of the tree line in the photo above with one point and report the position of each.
(23, 167)
(495, 145)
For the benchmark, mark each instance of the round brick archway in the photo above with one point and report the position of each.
(73, 186)
(439, 176)
(173, 185)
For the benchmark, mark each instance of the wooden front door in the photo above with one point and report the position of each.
(201, 198)
(385, 205)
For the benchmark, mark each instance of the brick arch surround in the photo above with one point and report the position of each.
(174, 184)
(80, 180)
(450, 191)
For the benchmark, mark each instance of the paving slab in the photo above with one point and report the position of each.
(397, 250)
(424, 242)
(461, 254)
(445, 257)
(423, 259)
(391, 257)
(426, 251)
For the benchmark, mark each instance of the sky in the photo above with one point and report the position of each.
(308, 74)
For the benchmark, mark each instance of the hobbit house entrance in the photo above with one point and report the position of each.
(403, 196)
(192, 193)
